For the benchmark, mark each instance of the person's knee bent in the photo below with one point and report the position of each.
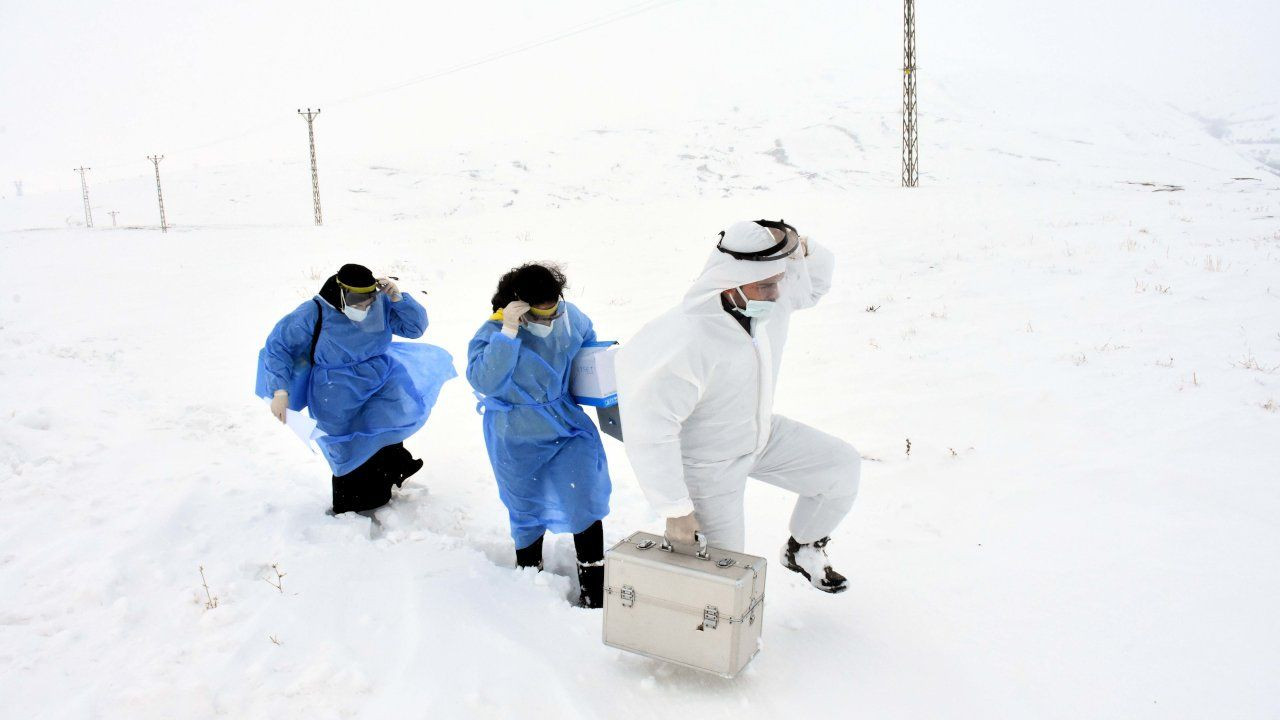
(848, 472)
(732, 539)
(724, 531)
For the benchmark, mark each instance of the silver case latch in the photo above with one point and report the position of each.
(628, 595)
(710, 617)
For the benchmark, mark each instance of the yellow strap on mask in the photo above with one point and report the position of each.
(349, 288)
(540, 313)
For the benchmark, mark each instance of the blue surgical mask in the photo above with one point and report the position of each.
(758, 309)
(540, 330)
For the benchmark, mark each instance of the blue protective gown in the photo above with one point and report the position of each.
(545, 451)
(365, 391)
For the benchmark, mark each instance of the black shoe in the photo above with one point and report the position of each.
(810, 560)
(591, 578)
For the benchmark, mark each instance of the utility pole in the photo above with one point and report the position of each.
(155, 160)
(17, 185)
(910, 156)
(84, 191)
(315, 176)
(113, 214)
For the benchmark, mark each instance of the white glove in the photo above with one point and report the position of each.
(390, 288)
(682, 529)
(511, 315)
(280, 403)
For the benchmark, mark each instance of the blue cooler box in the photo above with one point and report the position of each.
(593, 384)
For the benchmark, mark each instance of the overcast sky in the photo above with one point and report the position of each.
(105, 84)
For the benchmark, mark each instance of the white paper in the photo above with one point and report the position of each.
(303, 426)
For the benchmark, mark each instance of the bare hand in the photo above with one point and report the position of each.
(683, 530)
(280, 403)
(390, 288)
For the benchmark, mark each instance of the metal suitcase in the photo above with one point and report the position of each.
(700, 608)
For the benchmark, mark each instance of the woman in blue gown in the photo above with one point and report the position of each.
(333, 355)
(545, 451)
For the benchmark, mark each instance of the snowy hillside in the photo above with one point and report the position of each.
(1059, 357)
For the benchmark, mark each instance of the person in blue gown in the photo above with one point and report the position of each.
(546, 453)
(333, 355)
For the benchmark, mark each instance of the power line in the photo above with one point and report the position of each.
(514, 50)
(609, 19)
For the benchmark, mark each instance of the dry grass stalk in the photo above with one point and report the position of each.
(211, 602)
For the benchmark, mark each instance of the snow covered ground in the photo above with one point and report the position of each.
(1073, 325)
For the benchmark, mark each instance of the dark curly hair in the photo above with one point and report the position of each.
(534, 283)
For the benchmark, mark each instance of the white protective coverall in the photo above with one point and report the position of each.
(695, 393)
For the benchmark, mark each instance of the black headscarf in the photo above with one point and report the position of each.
(349, 274)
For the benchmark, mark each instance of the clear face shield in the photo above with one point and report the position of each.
(541, 323)
(362, 306)
(360, 300)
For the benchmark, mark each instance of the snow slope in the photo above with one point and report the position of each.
(1073, 322)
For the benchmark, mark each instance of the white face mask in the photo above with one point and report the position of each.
(540, 330)
(356, 314)
(759, 309)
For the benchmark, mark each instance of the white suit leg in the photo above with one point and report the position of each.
(717, 492)
(821, 468)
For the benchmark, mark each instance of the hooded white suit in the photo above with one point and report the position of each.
(696, 398)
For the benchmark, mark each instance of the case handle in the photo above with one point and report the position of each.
(702, 552)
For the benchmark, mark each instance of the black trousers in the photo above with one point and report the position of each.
(589, 545)
(369, 486)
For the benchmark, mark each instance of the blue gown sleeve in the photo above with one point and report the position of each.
(408, 318)
(491, 361)
(589, 336)
(289, 341)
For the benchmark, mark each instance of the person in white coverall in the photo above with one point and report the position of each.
(695, 391)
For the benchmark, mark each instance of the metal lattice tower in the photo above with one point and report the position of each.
(155, 160)
(310, 117)
(910, 141)
(84, 191)
(113, 214)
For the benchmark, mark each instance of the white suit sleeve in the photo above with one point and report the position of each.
(658, 388)
(809, 278)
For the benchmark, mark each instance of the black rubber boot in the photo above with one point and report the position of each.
(589, 546)
(810, 560)
(530, 556)
(591, 579)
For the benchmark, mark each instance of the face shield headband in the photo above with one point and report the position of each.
(546, 316)
(356, 295)
(777, 252)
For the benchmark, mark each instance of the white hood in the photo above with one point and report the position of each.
(723, 271)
